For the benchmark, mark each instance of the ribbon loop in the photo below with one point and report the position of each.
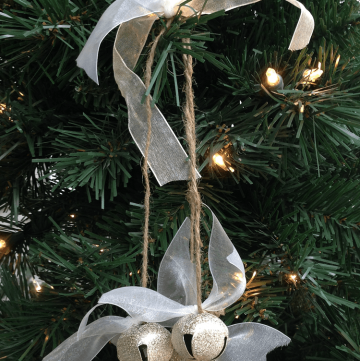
(251, 341)
(177, 274)
(227, 270)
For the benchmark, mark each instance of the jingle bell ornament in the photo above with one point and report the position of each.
(149, 342)
(200, 337)
(176, 357)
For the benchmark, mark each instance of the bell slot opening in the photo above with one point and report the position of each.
(143, 352)
(187, 339)
(223, 349)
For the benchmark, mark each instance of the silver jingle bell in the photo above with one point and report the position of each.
(176, 357)
(149, 342)
(200, 337)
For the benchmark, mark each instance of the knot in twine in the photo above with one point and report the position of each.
(170, 8)
(217, 313)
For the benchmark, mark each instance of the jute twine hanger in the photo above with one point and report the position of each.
(193, 195)
(145, 166)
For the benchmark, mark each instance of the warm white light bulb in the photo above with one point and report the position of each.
(293, 277)
(337, 61)
(218, 159)
(37, 286)
(2, 243)
(272, 77)
(314, 74)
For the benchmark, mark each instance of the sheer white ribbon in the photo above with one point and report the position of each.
(167, 158)
(176, 297)
(122, 11)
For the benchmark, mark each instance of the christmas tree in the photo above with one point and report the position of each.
(279, 168)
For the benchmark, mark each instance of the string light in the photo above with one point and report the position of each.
(37, 286)
(72, 215)
(302, 109)
(337, 61)
(272, 77)
(237, 316)
(219, 160)
(2, 243)
(251, 279)
(311, 75)
(130, 274)
(274, 80)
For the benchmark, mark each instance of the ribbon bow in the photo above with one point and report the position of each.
(175, 298)
(167, 158)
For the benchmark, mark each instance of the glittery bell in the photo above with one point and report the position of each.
(149, 342)
(176, 357)
(200, 337)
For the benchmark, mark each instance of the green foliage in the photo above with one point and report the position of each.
(70, 174)
(92, 163)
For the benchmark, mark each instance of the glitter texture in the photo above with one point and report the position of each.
(155, 337)
(176, 357)
(208, 336)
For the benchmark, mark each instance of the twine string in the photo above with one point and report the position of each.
(145, 167)
(193, 195)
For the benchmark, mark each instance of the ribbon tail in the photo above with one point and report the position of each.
(117, 13)
(93, 338)
(83, 350)
(131, 38)
(304, 28)
(251, 341)
(212, 6)
(167, 157)
(303, 31)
